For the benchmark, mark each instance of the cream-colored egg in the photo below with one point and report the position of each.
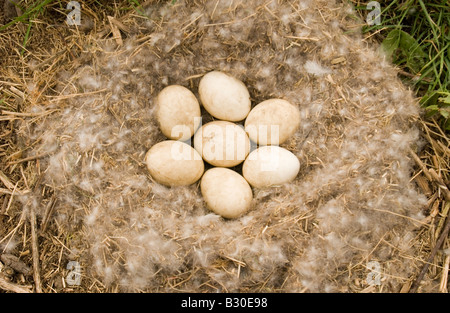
(224, 96)
(270, 166)
(272, 122)
(174, 163)
(178, 112)
(226, 192)
(222, 143)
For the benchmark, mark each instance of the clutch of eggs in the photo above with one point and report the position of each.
(223, 143)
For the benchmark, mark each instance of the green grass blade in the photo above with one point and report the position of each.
(27, 36)
(36, 7)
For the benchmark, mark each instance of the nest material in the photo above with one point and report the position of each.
(353, 201)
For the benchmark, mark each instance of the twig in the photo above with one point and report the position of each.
(401, 215)
(432, 176)
(84, 94)
(14, 230)
(5, 180)
(4, 191)
(35, 251)
(192, 22)
(10, 199)
(8, 286)
(439, 242)
(421, 165)
(30, 158)
(115, 31)
(444, 278)
(441, 184)
(303, 38)
(15, 263)
(47, 213)
(4, 112)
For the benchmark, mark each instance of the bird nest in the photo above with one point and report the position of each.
(347, 223)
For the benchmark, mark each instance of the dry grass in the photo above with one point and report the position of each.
(44, 245)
